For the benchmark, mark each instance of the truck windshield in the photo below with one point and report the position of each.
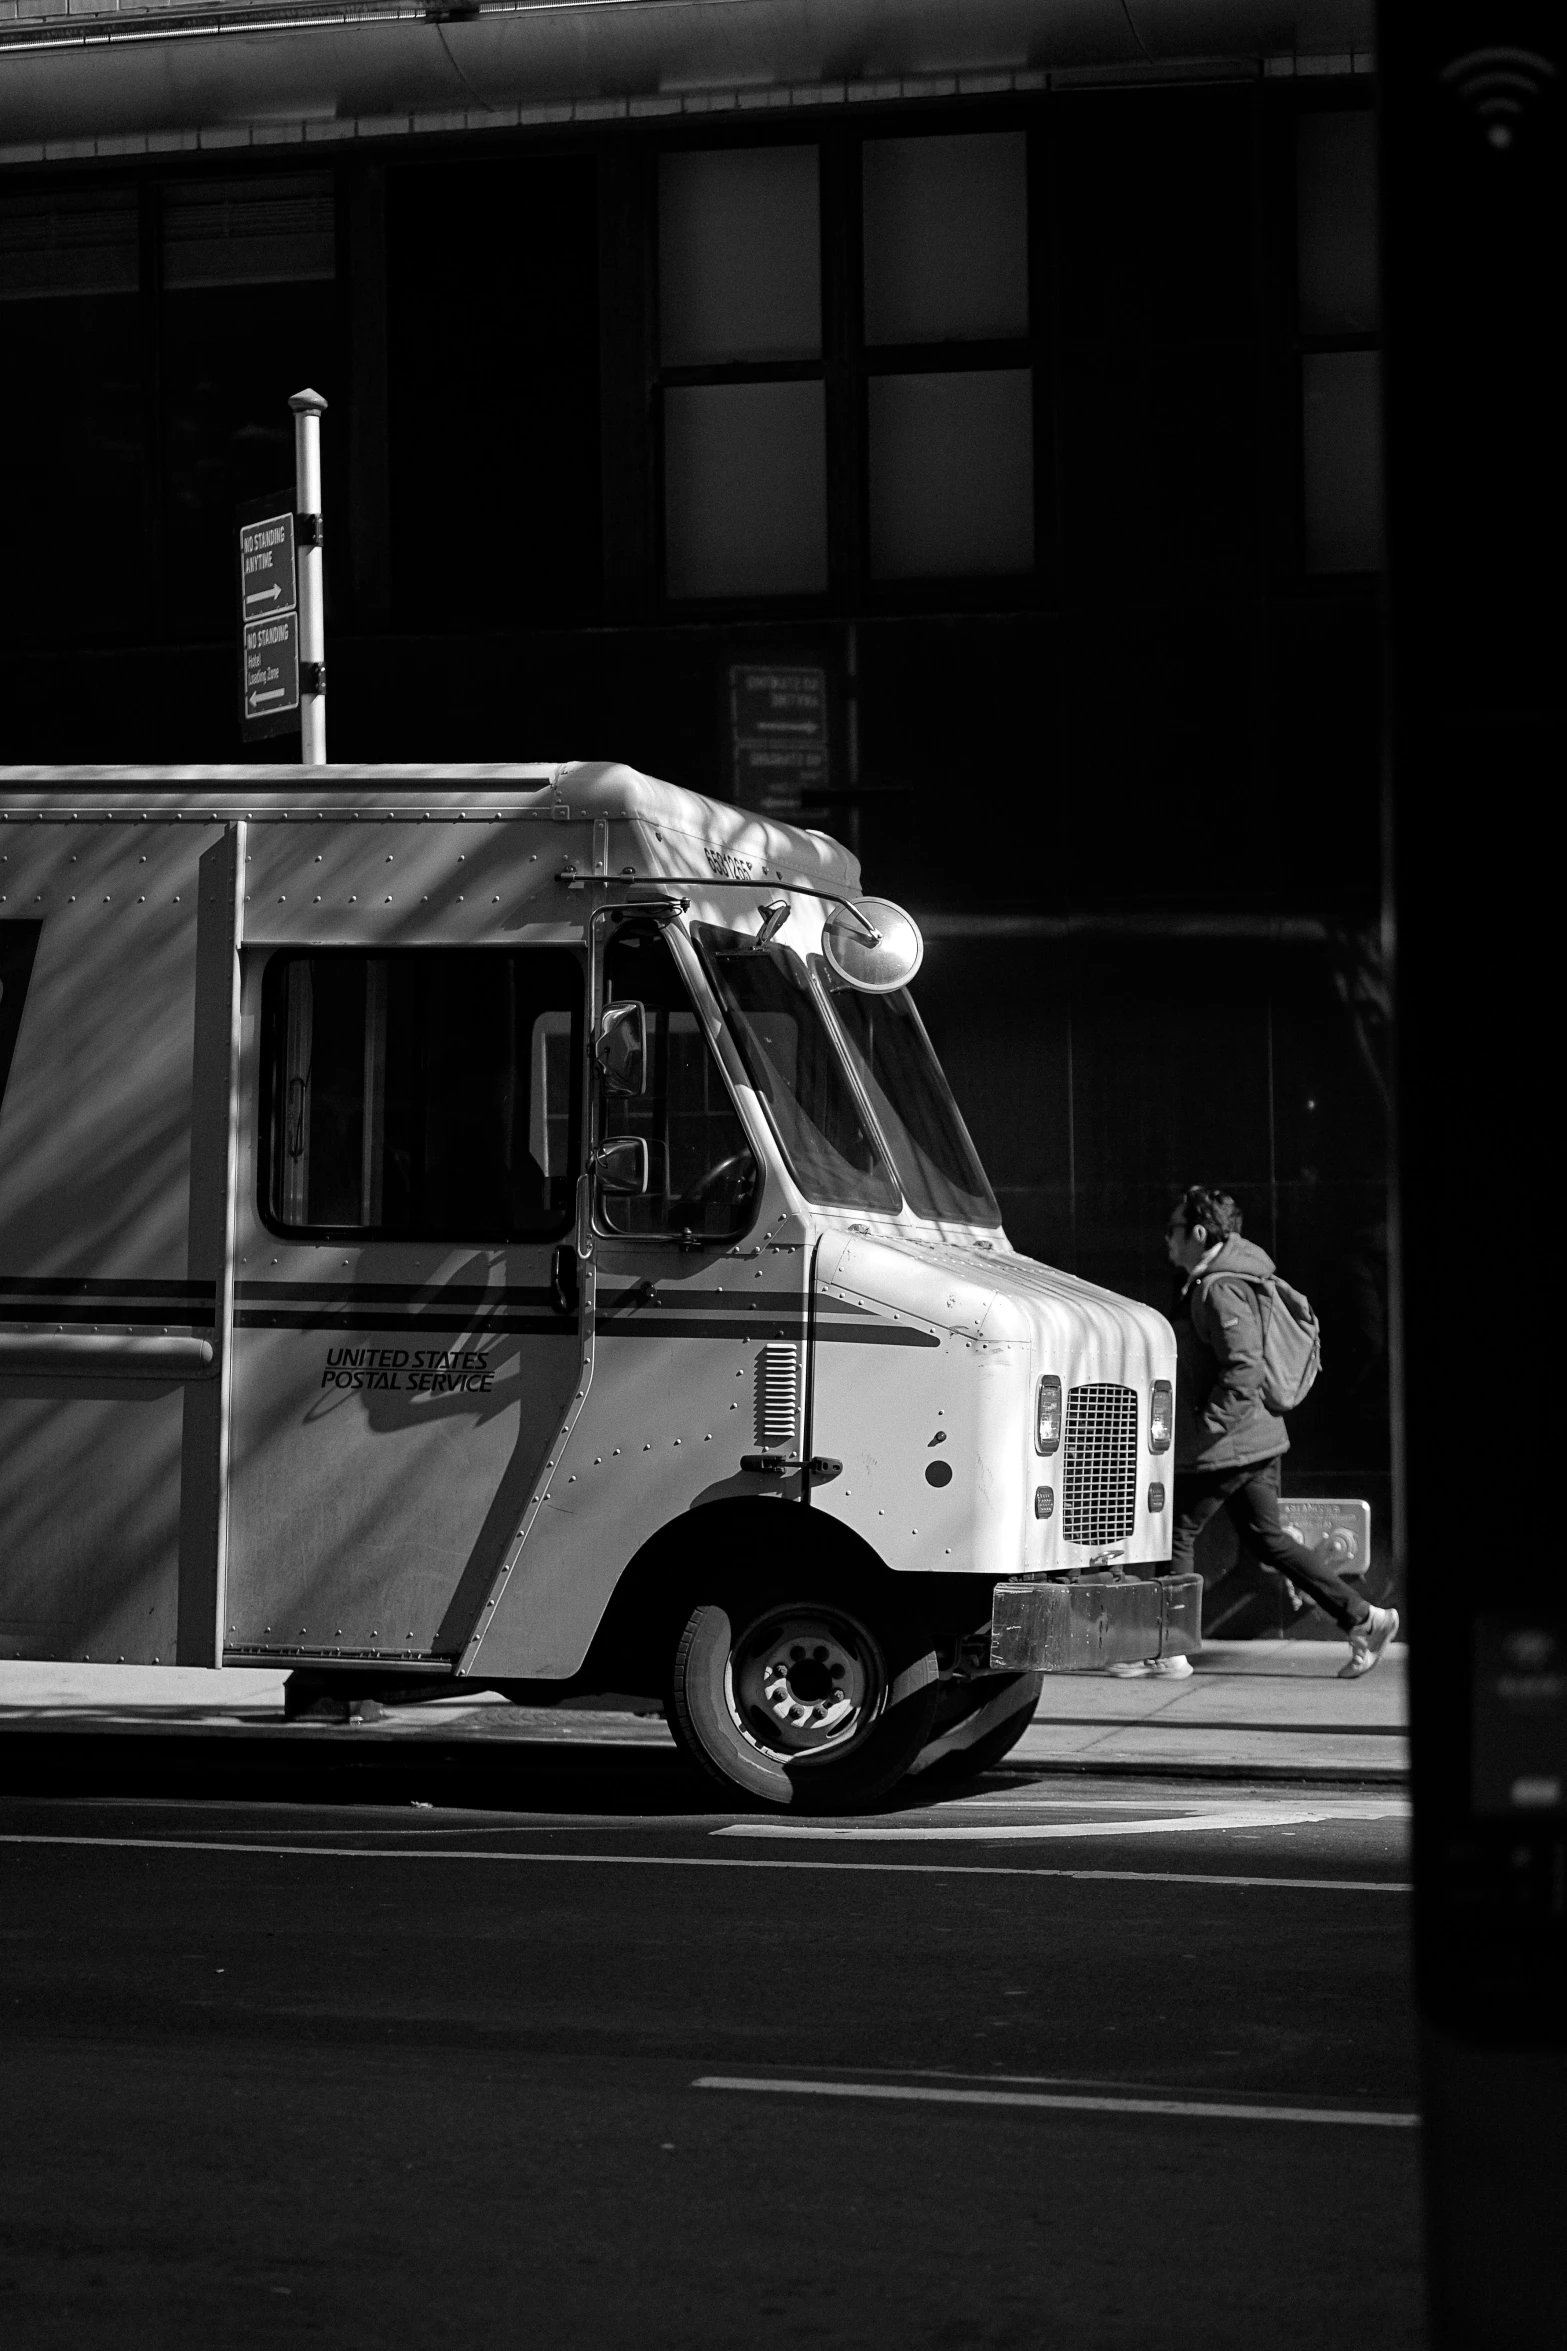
(793, 1060)
(920, 1123)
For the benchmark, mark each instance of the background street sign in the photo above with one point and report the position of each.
(268, 588)
(778, 732)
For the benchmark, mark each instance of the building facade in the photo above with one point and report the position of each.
(954, 427)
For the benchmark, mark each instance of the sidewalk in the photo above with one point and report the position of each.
(1252, 1710)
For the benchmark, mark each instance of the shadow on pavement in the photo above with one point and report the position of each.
(345, 1766)
(342, 1766)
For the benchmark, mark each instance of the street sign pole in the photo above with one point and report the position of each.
(309, 408)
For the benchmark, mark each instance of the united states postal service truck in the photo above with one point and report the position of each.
(506, 1228)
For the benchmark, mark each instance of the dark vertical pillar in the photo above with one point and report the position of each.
(1271, 132)
(1472, 130)
(627, 196)
(842, 327)
(1044, 281)
(150, 238)
(369, 552)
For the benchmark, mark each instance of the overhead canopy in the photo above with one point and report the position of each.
(122, 67)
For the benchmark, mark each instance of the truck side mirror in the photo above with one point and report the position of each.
(872, 945)
(620, 1049)
(622, 1164)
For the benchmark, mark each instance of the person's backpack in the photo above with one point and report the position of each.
(1291, 1346)
(1291, 1340)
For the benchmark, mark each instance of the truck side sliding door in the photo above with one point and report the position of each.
(406, 1333)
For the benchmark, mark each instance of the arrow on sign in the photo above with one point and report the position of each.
(272, 694)
(264, 595)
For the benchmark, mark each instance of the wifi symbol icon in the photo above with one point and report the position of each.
(1499, 85)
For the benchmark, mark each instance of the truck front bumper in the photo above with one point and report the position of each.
(1072, 1626)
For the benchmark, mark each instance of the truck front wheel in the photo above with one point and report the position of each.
(810, 1704)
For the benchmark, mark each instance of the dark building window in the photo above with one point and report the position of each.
(275, 232)
(71, 415)
(950, 432)
(249, 315)
(493, 297)
(57, 247)
(740, 343)
(1153, 206)
(1340, 365)
(932, 372)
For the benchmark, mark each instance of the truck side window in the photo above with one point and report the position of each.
(429, 1094)
(704, 1176)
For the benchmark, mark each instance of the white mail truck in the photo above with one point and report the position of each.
(506, 1228)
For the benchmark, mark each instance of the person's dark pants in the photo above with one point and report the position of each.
(1251, 1496)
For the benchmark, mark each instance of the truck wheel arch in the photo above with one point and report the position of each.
(683, 1562)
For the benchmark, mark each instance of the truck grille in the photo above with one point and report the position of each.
(1099, 1481)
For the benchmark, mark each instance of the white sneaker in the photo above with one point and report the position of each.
(1367, 1642)
(1170, 1669)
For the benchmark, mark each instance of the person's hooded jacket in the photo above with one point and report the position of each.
(1221, 1421)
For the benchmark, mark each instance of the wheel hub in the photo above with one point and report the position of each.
(803, 1679)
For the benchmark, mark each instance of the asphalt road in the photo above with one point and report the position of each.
(1062, 2063)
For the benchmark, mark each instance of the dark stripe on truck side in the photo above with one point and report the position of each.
(94, 1311)
(77, 1302)
(649, 1324)
(83, 1286)
(384, 1294)
(400, 1306)
(480, 1326)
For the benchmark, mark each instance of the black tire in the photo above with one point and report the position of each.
(976, 1724)
(818, 1706)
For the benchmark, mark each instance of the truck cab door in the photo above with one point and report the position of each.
(406, 1327)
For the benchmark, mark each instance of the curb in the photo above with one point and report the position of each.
(1312, 1775)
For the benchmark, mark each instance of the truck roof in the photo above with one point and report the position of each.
(734, 843)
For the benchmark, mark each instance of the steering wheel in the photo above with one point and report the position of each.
(713, 1182)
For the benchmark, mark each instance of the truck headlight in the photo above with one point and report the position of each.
(1161, 1417)
(1047, 1415)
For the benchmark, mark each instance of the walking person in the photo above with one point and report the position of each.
(1228, 1444)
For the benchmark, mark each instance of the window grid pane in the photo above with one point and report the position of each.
(745, 489)
(1336, 223)
(248, 232)
(739, 256)
(946, 238)
(1341, 409)
(68, 245)
(952, 475)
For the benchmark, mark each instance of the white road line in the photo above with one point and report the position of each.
(928, 1869)
(1032, 1832)
(1079, 2104)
